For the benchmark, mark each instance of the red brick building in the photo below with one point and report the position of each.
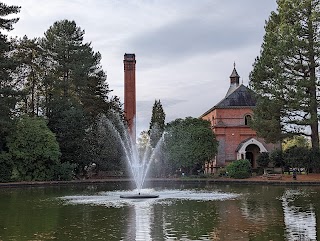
(229, 121)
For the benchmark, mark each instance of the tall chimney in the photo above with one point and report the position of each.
(130, 92)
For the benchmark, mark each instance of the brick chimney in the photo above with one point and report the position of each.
(130, 92)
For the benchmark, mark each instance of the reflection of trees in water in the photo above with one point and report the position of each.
(262, 205)
(256, 216)
(299, 216)
(181, 219)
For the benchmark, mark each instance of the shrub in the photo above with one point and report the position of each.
(239, 169)
(64, 171)
(5, 167)
(276, 157)
(263, 159)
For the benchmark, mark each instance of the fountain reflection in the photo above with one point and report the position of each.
(171, 209)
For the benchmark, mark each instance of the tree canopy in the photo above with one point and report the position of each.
(57, 77)
(189, 143)
(34, 150)
(9, 94)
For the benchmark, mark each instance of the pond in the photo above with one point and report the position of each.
(183, 211)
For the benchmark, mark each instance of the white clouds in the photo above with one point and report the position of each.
(185, 49)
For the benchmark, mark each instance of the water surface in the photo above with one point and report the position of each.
(189, 211)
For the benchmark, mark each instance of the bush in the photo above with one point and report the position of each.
(5, 167)
(263, 159)
(276, 158)
(239, 169)
(64, 171)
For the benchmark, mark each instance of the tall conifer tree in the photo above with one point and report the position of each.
(8, 90)
(157, 122)
(285, 73)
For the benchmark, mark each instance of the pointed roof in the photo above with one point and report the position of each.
(240, 97)
(234, 73)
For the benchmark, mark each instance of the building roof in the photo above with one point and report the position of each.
(239, 97)
(234, 73)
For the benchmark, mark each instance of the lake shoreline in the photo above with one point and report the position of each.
(305, 180)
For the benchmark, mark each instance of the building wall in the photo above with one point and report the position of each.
(230, 130)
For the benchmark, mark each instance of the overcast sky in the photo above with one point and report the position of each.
(185, 49)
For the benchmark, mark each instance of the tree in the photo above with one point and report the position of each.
(29, 74)
(69, 124)
(5, 10)
(74, 70)
(189, 143)
(34, 150)
(103, 147)
(277, 159)
(285, 73)
(143, 142)
(298, 141)
(263, 159)
(157, 123)
(8, 92)
(298, 157)
(76, 91)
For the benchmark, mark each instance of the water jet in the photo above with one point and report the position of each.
(138, 163)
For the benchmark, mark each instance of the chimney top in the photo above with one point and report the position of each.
(129, 56)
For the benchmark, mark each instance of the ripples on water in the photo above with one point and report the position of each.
(144, 208)
(300, 221)
(191, 212)
(182, 219)
(112, 199)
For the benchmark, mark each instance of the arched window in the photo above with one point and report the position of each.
(247, 119)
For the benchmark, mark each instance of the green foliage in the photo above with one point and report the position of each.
(103, 146)
(298, 141)
(277, 159)
(239, 169)
(189, 142)
(76, 94)
(284, 75)
(299, 157)
(34, 149)
(69, 123)
(157, 123)
(64, 171)
(8, 89)
(267, 125)
(6, 167)
(7, 10)
(30, 73)
(75, 72)
(263, 159)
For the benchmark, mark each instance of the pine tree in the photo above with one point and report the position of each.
(76, 88)
(285, 73)
(8, 90)
(29, 74)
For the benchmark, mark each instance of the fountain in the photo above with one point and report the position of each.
(138, 163)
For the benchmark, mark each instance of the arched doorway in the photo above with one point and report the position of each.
(250, 157)
(252, 152)
(250, 149)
